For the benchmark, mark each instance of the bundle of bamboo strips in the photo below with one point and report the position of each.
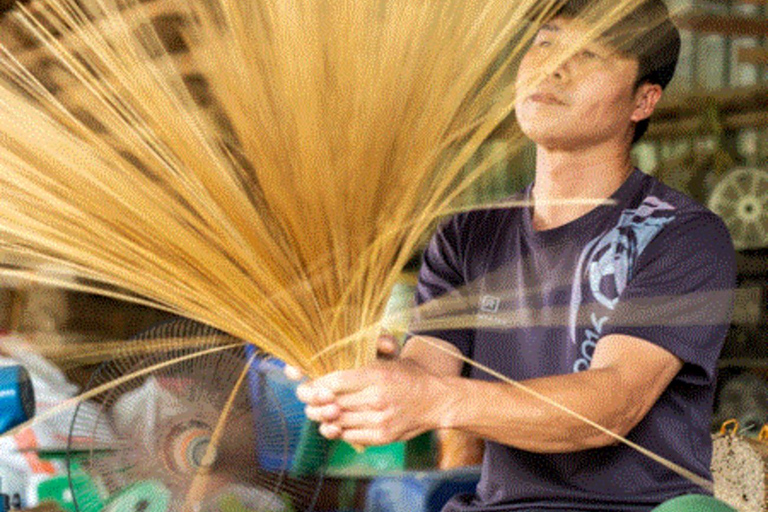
(342, 130)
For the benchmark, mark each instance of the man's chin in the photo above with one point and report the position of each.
(548, 135)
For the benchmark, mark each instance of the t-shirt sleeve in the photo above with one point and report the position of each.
(440, 293)
(680, 296)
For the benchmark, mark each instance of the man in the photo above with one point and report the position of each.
(617, 311)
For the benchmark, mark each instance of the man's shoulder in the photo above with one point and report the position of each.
(679, 202)
(683, 212)
(683, 224)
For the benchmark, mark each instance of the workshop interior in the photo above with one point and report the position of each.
(135, 446)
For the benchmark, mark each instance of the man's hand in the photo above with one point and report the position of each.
(391, 400)
(399, 399)
(387, 347)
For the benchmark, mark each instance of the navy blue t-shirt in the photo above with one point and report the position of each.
(653, 264)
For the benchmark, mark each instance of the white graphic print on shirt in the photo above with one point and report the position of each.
(607, 264)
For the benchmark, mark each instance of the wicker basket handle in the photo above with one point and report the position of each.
(730, 427)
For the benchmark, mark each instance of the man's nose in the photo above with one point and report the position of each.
(558, 70)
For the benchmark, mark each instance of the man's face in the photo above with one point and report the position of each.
(589, 99)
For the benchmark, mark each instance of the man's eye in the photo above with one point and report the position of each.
(588, 54)
(544, 43)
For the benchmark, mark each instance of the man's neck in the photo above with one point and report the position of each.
(561, 176)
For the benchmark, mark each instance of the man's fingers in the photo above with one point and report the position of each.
(387, 347)
(364, 437)
(323, 413)
(347, 381)
(312, 394)
(370, 398)
(330, 431)
(293, 373)
(328, 388)
(359, 420)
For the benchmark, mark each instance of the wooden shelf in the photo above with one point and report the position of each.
(153, 11)
(739, 98)
(682, 114)
(757, 56)
(690, 126)
(753, 263)
(719, 24)
(750, 2)
(7, 5)
(743, 362)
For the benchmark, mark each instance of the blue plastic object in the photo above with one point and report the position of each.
(286, 441)
(419, 491)
(17, 398)
(278, 415)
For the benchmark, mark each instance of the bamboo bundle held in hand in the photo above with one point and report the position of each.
(341, 131)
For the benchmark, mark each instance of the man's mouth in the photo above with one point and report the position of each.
(546, 98)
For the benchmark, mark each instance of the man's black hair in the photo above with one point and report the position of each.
(645, 33)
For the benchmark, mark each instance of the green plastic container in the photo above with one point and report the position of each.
(57, 490)
(145, 496)
(694, 503)
(341, 459)
(346, 461)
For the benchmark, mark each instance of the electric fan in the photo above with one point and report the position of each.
(207, 424)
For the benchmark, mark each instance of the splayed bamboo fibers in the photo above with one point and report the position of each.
(343, 132)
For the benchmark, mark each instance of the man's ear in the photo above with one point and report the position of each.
(646, 98)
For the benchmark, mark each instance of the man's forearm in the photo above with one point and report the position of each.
(396, 400)
(500, 412)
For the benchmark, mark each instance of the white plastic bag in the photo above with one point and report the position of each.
(21, 469)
